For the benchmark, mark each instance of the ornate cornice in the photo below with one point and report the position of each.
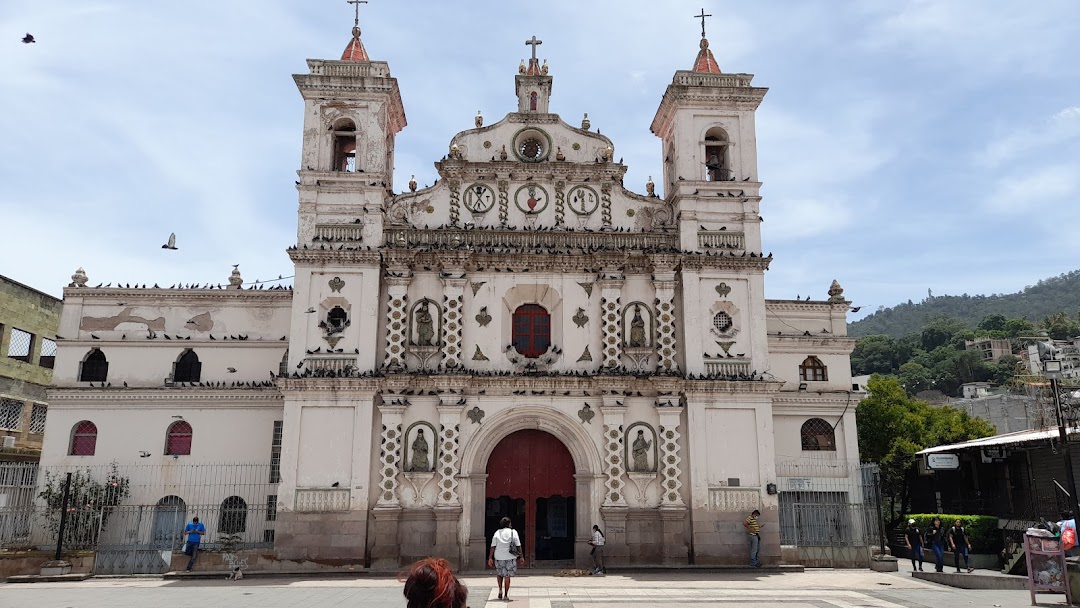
(804, 305)
(177, 297)
(817, 342)
(340, 256)
(731, 387)
(155, 398)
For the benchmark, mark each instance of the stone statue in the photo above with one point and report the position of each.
(425, 326)
(637, 330)
(641, 453)
(419, 460)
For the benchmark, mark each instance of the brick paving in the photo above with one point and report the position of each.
(670, 589)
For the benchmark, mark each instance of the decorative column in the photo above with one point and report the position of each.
(386, 549)
(453, 306)
(611, 323)
(614, 509)
(390, 455)
(670, 457)
(396, 318)
(447, 468)
(455, 200)
(673, 511)
(664, 283)
(448, 503)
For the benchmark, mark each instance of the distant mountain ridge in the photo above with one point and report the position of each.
(1048, 296)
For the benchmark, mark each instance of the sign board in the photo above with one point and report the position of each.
(942, 462)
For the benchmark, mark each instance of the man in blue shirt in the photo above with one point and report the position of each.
(194, 532)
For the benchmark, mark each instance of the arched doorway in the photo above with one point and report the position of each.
(530, 479)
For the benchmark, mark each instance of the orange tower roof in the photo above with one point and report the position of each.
(355, 51)
(705, 62)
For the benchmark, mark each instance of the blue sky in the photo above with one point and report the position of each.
(904, 145)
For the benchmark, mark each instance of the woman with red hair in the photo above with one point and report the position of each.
(431, 584)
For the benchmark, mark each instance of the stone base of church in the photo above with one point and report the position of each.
(645, 536)
(402, 536)
(321, 536)
(720, 539)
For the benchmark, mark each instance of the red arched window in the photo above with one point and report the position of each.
(531, 330)
(178, 439)
(83, 439)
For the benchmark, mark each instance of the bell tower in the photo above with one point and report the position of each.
(352, 114)
(533, 83)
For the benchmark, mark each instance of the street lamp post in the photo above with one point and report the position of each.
(1052, 370)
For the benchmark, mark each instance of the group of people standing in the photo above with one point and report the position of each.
(937, 538)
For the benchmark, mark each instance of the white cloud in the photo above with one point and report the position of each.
(1061, 127)
(1017, 195)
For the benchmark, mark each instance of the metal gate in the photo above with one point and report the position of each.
(140, 544)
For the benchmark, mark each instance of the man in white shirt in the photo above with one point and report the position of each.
(597, 543)
(505, 555)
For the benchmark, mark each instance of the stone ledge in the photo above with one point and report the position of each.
(37, 578)
(974, 581)
(215, 574)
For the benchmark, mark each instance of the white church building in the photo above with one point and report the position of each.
(529, 337)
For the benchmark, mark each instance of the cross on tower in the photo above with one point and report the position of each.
(356, 16)
(535, 43)
(702, 16)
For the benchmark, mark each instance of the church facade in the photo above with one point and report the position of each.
(528, 338)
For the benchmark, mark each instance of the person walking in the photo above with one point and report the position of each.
(960, 545)
(194, 531)
(597, 552)
(753, 530)
(913, 541)
(935, 539)
(432, 584)
(505, 555)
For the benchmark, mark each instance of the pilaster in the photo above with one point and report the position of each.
(453, 306)
(614, 467)
(396, 320)
(611, 323)
(448, 467)
(390, 456)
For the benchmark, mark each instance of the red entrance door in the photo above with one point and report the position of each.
(531, 481)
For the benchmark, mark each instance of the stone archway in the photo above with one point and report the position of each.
(474, 461)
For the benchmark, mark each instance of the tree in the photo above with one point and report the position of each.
(875, 355)
(91, 503)
(893, 427)
(994, 322)
(915, 378)
(1019, 327)
(1060, 326)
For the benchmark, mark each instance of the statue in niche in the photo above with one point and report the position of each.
(637, 329)
(640, 453)
(425, 326)
(419, 461)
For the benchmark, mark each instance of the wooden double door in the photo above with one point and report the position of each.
(530, 479)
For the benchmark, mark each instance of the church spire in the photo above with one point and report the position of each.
(705, 62)
(355, 51)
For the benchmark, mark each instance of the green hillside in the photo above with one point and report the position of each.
(1049, 296)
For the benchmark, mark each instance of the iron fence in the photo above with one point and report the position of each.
(829, 510)
(140, 508)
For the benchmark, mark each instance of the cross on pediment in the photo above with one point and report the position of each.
(535, 43)
(702, 16)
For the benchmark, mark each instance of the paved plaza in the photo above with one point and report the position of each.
(669, 589)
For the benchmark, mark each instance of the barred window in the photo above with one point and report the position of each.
(233, 516)
(21, 344)
(48, 353)
(275, 452)
(722, 321)
(83, 439)
(531, 330)
(11, 412)
(271, 507)
(178, 439)
(283, 366)
(818, 436)
(37, 418)
(813, 370)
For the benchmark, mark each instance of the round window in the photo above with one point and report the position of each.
(532, 149)
(722, 322)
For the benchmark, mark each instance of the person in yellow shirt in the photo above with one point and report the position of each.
(753, 530)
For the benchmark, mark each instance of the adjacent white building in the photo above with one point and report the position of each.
(529, 337)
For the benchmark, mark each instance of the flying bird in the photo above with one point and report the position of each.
(856, 308)
(28, 38)
(231, 370)
(144, 454)
(172, 242)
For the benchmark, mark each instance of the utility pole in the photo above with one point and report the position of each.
(1052, 371)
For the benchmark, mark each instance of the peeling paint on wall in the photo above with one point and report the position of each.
(111, 323)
